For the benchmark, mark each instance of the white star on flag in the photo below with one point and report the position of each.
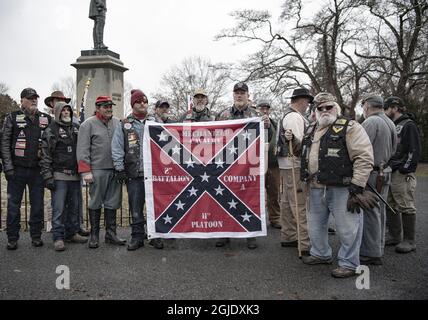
(190, 163)
(205, 177)
(219, 163)
(162, 136)
(232, 149)
(246, 217)
(167, 219)
(246, 135)
(176, 149)
(180, 205)
(193, 191)
(232, 204)
(219, 190)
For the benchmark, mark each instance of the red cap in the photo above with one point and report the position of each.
(137, 95)
(104, 100)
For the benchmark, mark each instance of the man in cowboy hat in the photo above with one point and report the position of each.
(292, 128)
(96, 166)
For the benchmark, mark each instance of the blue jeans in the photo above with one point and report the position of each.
(65, 209)
(349, 225)
(136, 198)
(15, 190)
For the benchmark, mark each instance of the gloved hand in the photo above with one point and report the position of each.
(360, 199)
(9, 174)
(121, 176)
(50, 184)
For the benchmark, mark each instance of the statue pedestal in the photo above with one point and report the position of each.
(105, 70)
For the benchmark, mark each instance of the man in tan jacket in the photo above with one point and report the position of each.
(337, 158)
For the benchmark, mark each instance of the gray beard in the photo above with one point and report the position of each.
(66, 119)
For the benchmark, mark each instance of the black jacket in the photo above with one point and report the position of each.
(405, 160)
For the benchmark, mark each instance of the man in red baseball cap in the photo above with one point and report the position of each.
(96, 167)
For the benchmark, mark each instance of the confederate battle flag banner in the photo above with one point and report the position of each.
(205, 180)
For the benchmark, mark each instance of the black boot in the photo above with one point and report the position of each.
(394, 225)
(111, 237)
(408, 244)
(94, 219)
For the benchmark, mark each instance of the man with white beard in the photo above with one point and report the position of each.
(337, 158)
(200, 111)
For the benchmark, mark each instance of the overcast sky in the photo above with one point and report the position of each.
(40, 39)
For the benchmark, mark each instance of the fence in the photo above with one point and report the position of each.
(123, 217)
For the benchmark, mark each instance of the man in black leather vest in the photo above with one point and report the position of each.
(20, 149)
(337, 158)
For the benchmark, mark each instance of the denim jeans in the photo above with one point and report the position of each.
(15, 190)
(65, 212)
(349, 226)
(136, 198)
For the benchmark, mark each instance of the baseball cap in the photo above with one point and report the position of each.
(104, 101)
(240, 86)
(161, 102)
(263, 103)
(373, 99)
(28, 93)
(392, 100)
(200, 92)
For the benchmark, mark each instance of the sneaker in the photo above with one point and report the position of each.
(405, 247)
(156, 243)
(12, 245)
(365, 260)
(305, 253)
(315, 260)
(59, 245)
(251, 243)
(77, 238)
(222, 242)
(289, 244)
(84, 232)
(37, 242)
(342, 272)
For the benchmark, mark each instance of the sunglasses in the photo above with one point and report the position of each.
(325, 108)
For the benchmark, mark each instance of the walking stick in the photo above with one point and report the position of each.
(290, 149)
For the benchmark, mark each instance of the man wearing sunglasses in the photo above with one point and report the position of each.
(337, 158)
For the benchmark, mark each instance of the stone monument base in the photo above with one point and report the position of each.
(105, 70)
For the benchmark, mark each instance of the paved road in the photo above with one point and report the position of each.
(195, 269)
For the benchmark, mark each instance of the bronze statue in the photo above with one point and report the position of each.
(97, 12)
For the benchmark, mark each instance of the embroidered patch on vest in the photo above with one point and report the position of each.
(337, 129)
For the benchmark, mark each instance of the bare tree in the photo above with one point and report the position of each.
(193, 73)
(398, 46)
(3, 88)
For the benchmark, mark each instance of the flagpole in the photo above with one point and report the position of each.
(81, 112)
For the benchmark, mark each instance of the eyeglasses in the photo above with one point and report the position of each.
(325, 108)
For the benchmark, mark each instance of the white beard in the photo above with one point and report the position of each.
(66, 119)
(199, 107)
(325, 120)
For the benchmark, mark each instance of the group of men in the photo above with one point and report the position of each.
(320, 164)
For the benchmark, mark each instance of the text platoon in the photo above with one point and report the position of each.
(217, 189)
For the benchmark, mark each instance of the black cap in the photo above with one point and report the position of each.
(28, 93)
(161, 102)
(390, 101)
(302, 93)
(240, 86)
